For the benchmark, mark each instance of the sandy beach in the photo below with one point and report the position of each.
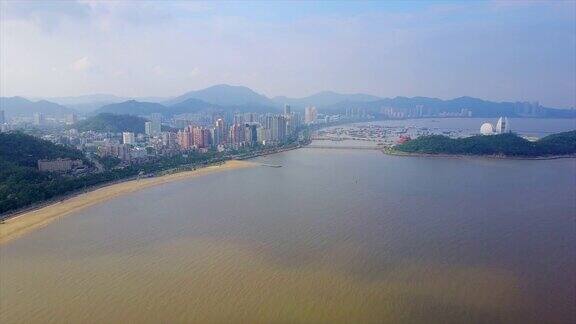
(29, 221)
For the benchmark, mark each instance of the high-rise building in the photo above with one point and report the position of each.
(220, 137)
(287, 110)
(310, 115)
(38, 119)
(156, 126)
(168, 139)
(71, 119)
(251, 133)
(278, 129)
(148, 128)
(128, 138)
(2, 117)
(237, 134)
(185, 138)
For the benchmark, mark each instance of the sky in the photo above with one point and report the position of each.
(494, 50)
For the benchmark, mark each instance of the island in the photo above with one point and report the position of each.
(501, 145)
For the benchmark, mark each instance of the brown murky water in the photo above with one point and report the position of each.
(332, 236)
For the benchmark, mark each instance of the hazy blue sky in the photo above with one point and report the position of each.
(497, 50)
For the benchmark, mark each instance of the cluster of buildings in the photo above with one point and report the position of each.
(61, 165)
(249, 129)
(502, 126)
(237, 131)
(420, 111)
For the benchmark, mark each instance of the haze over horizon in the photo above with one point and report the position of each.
(500, 51)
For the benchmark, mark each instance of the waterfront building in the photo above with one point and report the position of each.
(58, 165)
(128, 138)
(185, 138)
(502, 125)
(237, 134)
(261, 135)
(278, 129)
(486, 129)
(251, 133)
(287, 110)
(220, 137)
(121, 151)
(310, 115)
(2, 117)
(168, 139)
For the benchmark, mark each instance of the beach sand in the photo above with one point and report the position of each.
(29, 221)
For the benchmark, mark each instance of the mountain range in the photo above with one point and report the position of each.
(22, 107)
(229, 98)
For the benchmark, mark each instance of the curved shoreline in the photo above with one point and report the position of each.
(31, 220)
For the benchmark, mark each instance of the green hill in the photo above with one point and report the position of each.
(25, 150)
(504, 144)
(111, 123)
(21, 183)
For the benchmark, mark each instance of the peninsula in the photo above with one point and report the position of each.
(501, 145)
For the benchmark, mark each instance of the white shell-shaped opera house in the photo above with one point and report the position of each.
(486, 129)
(502, 126)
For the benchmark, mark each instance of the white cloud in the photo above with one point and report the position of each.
(161, 48)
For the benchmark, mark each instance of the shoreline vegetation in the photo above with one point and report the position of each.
(394, 152)
(502, 146)
(24, 186)
(37, 217)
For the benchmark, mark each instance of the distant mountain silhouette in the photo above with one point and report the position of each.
(230, 99)
(132, 107)
(87, 99)
(479, 107)
(324, 98)
(21, 107)
(192, 105)
(188, 106)
(225, 95)
(90, 103)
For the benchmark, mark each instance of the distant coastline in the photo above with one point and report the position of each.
(394, 152)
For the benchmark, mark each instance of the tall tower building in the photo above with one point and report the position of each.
(2, 117)
(128, 138)
(38, 119)
(148, 128)
(278, 129)
(220, 132)
(310, 115)
(156, 124)
(287, 110)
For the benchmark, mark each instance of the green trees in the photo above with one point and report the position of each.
(26, 150)
(110, 123)
(504, 144)
(21, 184)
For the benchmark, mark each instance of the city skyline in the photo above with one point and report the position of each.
(500, 51)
